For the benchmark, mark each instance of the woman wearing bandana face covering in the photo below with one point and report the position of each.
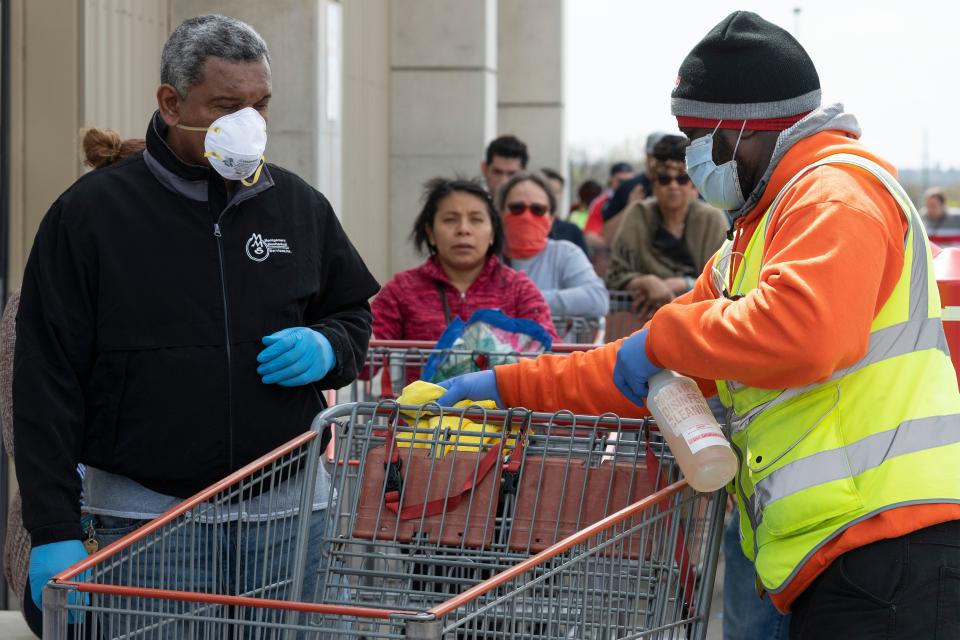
(558, 267)
(818, 324)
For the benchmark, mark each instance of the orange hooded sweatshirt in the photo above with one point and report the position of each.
(834, 252)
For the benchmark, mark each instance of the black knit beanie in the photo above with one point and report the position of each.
(745, 69)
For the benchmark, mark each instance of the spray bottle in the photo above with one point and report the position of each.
(692, 433)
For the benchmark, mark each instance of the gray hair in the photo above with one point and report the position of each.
(212, 36)
(525, 176)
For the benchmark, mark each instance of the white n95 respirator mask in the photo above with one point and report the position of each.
(235, 143)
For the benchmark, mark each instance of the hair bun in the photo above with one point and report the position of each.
(103, 147)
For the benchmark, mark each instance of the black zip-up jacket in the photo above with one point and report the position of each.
(144, 302)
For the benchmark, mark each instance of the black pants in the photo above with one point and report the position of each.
(32, 615)
(905, 588)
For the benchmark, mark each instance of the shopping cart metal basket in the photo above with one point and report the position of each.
(392, 364)
(437, 524)
(580, 329)
(622, 319)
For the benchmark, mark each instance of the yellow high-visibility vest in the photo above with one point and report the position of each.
(879, 434)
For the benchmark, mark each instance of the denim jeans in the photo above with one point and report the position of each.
(745, 615)
(232, 558)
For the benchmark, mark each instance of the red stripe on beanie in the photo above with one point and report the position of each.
(766, 124)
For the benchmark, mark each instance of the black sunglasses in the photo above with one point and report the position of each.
(682, 180)
(518, 208)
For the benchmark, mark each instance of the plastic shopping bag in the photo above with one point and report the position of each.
(489, 338)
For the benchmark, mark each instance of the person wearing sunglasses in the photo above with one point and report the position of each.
(665, 241)
(560, 270)
(825, 343)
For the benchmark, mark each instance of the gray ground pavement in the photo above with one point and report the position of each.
(715, 627)
(12, 626)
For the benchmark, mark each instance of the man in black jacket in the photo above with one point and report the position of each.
(181, 312)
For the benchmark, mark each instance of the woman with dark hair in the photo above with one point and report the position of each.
(460, 230)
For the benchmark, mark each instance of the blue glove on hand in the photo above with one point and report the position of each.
(48, 560)
(295, 357)
(477, 386)
(634, 368)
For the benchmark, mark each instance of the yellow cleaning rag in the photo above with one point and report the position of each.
(454, 432)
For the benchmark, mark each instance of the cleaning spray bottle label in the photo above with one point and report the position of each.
(688, 416)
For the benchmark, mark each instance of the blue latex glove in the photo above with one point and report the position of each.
(295, 357)
(634, 368)
(48, 560)
(480, 385)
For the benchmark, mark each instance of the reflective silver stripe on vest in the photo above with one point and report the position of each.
(889, 342)
(898, 340)
(856, 458)
(917, 333)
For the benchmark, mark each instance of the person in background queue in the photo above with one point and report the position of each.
(504, 157)
(562, 229)
(667, 240)
(560, 270)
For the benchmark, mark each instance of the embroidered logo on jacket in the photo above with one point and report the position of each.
(260, 248)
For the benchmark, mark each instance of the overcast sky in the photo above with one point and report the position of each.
(894, 64)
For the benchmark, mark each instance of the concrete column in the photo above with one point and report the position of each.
(530, 78)
(443, 104)
(46, 98)
(46, 87)
(122, 43)
(366, 132)
(299, 134)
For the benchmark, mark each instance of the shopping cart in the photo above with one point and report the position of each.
(622, 319)
(457, 524)
(944, 239)
(600, 259)
(392, 364)
(580, 329)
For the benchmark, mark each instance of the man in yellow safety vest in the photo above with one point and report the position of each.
(818, 322)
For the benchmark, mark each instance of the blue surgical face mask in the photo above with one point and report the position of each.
(719, 185)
